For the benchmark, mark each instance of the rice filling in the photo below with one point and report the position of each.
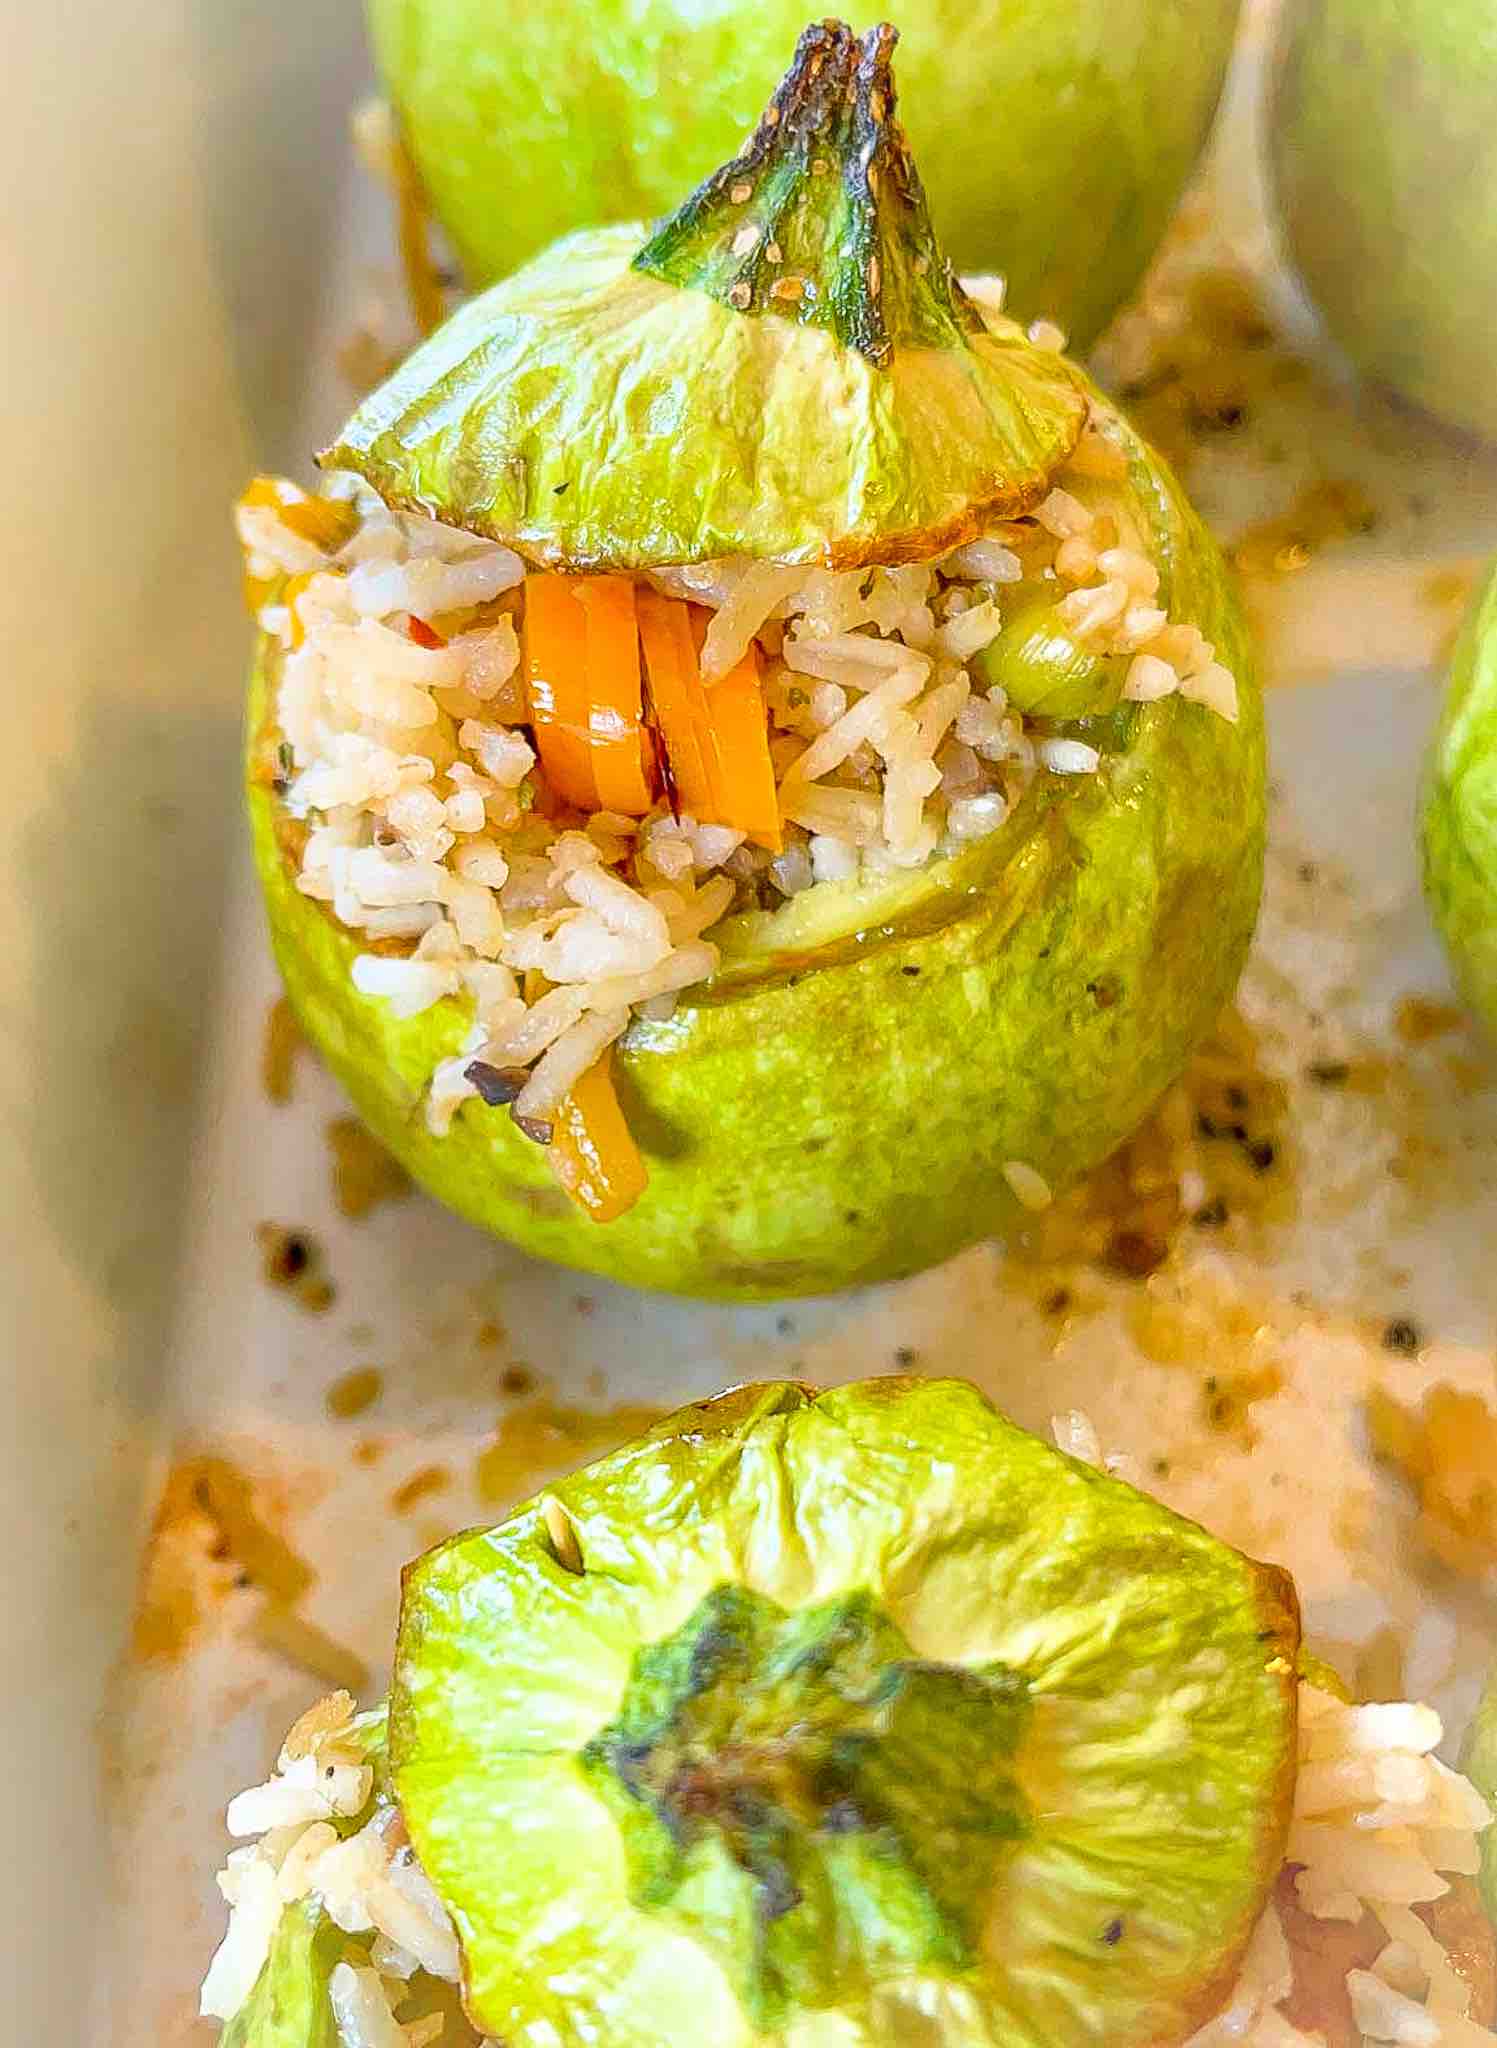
(407, 751)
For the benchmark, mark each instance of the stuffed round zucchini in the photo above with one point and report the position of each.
(755, 767)
(855, 1720)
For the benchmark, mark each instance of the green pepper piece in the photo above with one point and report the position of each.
(1044, 671)
(289, 2006)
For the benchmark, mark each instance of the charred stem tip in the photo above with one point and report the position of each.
(831, 58)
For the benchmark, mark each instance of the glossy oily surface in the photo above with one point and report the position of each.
(779, 1594)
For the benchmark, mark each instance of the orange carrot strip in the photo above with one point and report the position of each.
(739, 766)
(291, 591)
(325, 522)
(716, 735)
(260, 591)
(592, 1152)
(748, 798)
(320, 520)
(555, 666)
(615, 721)
(708, 737)
(671, 664)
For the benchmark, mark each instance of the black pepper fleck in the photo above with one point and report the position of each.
(905, 1356)
(1112, 1933)
(295, 1255)
(497, 1085)
(1402, 1336)
(1135, 1253)
(1329, 1073)
(1211, 1215)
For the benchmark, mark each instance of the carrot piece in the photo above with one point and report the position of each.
(615, 721)
(291, 591)
(555, 666)
(698, 618)
(671, 664)
(582, 684)
(739, 765)
(715, 734)
(326, 522)
(592, 1151)
(747, 796)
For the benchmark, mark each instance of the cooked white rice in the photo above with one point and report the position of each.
(1380, 1826)
(365, 1878)
(417, 781)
